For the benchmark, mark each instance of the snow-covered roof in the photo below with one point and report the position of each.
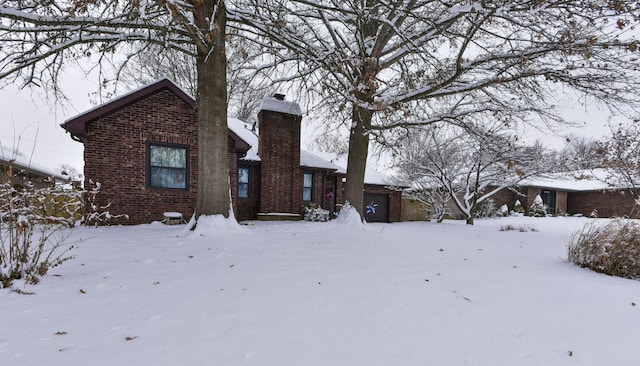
(312, 160)
(245, 132)
(308, 159)
(578, 180)
(21, 162)
(283, 106)
(371, 175)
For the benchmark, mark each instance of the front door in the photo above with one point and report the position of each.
(329, 199)
(549, 200)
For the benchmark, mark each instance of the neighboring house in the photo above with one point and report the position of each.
(583, 192)
(142, 148)
(18, 170)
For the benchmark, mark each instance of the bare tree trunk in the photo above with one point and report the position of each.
(357, 161)
(211, 103)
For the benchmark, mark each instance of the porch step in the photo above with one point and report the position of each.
(278, 216)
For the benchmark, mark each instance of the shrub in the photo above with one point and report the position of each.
(504, 211)
(32, 239)
(95, 214)
(517, 208)
(35, 227)
(613, 248)
(486, 208)
(313, 212)
(538, 209)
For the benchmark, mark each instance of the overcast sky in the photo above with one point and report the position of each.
(33, 123)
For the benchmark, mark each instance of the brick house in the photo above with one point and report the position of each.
(17, 170)
(142, 148)
(579, 192)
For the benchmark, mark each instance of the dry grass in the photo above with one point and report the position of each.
(613, 248)
(520, 228)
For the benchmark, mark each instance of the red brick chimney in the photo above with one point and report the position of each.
(279, 150)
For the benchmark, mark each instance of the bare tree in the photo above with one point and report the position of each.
(39, 38)
(245, 86)
(391, 64)
(621, 157)
(468, 165)
(580, 153)
(330, 141)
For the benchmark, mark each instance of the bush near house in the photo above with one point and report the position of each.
(486, 208)
(517, 208)
(538, 208)
(613, 248)
(313, 212)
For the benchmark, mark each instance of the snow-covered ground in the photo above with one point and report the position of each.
(297, 293)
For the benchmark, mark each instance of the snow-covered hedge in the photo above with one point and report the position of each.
(613, 248)
(313, 212)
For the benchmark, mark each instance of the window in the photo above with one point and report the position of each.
(167, 166)
(243, 182)
(307, 187)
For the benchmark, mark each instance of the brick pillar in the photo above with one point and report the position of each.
(279, 150)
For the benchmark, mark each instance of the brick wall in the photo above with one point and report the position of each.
(505, 197)
(279, 150)
(608, 203)
(561, 202)
(115, 149)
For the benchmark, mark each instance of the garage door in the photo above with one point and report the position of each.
(376, 207)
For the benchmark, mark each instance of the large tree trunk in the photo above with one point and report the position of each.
(357, 160)
(211, 103)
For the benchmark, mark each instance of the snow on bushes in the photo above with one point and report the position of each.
(35, 227)
(613, 248)
(486, 208)
(517, 208)
(538, 208)
(34, 231)
(313, 212)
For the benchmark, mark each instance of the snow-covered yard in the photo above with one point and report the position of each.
(300, 293)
